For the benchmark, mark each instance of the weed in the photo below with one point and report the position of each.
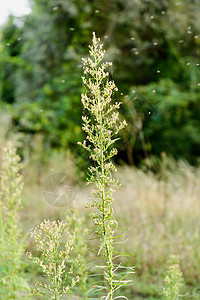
(48, 238)
(11, 246)
(173, 280)
(101, 124)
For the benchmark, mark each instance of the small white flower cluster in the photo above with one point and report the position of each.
(49, 237)
(103, 122)
(173, 280)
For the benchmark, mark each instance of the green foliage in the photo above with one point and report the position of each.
(150, 42)
(10, 48)
(169, 115)
(12, 244)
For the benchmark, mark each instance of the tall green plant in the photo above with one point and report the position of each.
(11, 242)
(101, 124)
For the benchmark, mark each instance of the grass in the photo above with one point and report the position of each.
(162, 218)
(159, 208)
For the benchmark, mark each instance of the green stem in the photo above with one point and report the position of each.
(108, 252)
(55, 283)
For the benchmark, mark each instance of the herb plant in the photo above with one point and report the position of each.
(101, 124)
(11, 242)
(173, 280)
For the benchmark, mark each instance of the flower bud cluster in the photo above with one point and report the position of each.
(173, 280)
(102, 121)
(55, 243)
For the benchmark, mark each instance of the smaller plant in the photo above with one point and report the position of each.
(173, 280)
(11, 242)
(55, 243)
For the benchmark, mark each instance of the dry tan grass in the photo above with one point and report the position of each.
(163, 218)
(161, 212)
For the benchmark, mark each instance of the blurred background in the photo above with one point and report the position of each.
(155, 50)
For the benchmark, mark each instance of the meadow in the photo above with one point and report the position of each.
(99, 223)
(159, 212)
